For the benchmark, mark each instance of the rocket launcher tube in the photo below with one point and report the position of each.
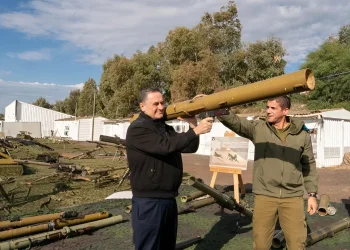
(56, 224)
(313, 237)
(222, 199)
(128, 209)
(279, 240)
(59, 234)
(299, 81)
(197, 204)
(328, 231)
(29, 220)
(322, 208)
(192, 196)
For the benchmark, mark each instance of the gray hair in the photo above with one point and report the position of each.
(144, 93)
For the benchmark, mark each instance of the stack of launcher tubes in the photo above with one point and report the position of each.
(30, 231)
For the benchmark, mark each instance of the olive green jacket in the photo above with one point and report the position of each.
(280, 169)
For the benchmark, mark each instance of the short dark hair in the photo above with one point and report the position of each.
(144, 93)
(283, 101)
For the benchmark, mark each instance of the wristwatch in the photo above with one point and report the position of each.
(313, 195)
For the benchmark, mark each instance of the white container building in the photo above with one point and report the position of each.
(14, 128)
(119, 127)
(329, 130)
(18, 111)
(80, 129)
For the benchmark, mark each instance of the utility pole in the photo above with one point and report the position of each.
(76, 108)
(93, 116)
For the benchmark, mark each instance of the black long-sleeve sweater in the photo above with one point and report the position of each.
(154, 157)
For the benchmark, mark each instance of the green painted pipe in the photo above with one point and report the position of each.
(222, 199)
(327, 231)
(192, 196)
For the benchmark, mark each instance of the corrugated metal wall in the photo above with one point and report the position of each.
(98, 127)
(120, 128)
(346, 136)
(14, 128)
(336, 141)
(111, 129)
(10, 112)
(31, 113)
(85, 130)
(116, 129)
(67, 129)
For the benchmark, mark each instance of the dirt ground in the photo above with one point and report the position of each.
(218, 229)
(333, 181)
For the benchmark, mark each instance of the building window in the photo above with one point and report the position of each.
(66, 130)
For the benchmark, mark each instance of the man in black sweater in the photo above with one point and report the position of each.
(154, 157)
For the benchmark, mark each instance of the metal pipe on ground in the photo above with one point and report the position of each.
(128, 209)
(103, 170)
(328, 231)
(111, 139)
(29, 220)
(278, 240)
(223, 200)
(313, 237)
(32, 162)
(192, 196)
(59, 234)
(324, 203)
(197, 204)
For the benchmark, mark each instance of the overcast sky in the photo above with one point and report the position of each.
(49, 47)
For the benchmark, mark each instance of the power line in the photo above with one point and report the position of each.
(333, 75)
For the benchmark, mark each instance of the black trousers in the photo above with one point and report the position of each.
(154, 223)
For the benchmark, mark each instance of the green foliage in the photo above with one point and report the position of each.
(86, 98)
(2, 117)
(41, 102)
(265, 59)
(344, 34)
(59, 106)
(71, 102)
(123, 79)
(331, 58)
(221, 31)
(193, 78)
(181, 45)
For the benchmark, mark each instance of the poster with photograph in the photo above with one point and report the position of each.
(230, 152)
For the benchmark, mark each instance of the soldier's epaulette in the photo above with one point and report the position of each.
(306, 129)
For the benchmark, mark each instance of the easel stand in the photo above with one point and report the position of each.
(237, 179)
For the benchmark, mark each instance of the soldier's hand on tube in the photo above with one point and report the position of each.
(204, 126)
